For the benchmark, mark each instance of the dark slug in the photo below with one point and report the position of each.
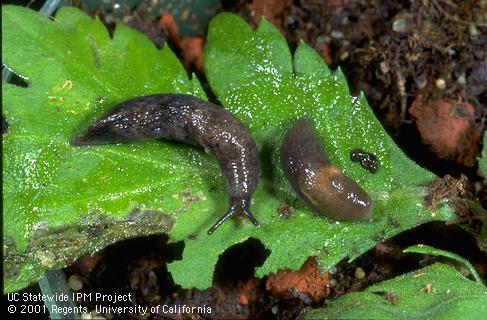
(187, 119)
(316, 180)
(367, 160)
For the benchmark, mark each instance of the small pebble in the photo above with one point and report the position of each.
(359, 273)
(157, 297)
(75, 283)
(462, 79)
(291, 20)
(336, 34)
(421, 81)
(399, 25)
(322, 39)
(332, 282)
(440, 83)
(275, 309)
(427, 24)
(384, 67)
(472, 29)
(344, 55)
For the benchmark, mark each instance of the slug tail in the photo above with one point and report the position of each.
(85, 138)
(237, 206)
(102, 133)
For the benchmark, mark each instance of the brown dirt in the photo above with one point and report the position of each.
(192, 52)
(422, 68)
(170, 27)
(247, 291)
(139, 266)
(190, 49)
(274, 11)
(395, 51)
(448, 129)
(87, 263)
(285, 210)
(307, 281)
(139, 20)
(456, 191)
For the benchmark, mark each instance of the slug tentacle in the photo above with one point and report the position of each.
(187, 119)
(316, 180)
(237, 206)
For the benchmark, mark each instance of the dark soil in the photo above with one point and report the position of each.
(423, 68)
(398, 52)
(138, 266)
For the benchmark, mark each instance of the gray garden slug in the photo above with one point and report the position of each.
(316, 180)
(367, 160)
(187, 119)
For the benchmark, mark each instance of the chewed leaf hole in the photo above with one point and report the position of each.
(238, 262)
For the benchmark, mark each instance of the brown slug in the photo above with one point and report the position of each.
(190, 120)
(316, 180)
(367, 160)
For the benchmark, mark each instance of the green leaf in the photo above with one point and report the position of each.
(483, 158)
(254, 74)
(424, 249)
(62, 201)
(435, 292)
(482, 236)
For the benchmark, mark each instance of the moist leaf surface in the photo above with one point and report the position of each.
(62, 201)
(254, 75)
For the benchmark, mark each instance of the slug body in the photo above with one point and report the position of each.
(187, 119)
(367, 160)
(316, 180)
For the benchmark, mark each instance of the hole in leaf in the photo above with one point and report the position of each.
(141, 261)
(440, 235)
(238, 262)
(10, 76)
